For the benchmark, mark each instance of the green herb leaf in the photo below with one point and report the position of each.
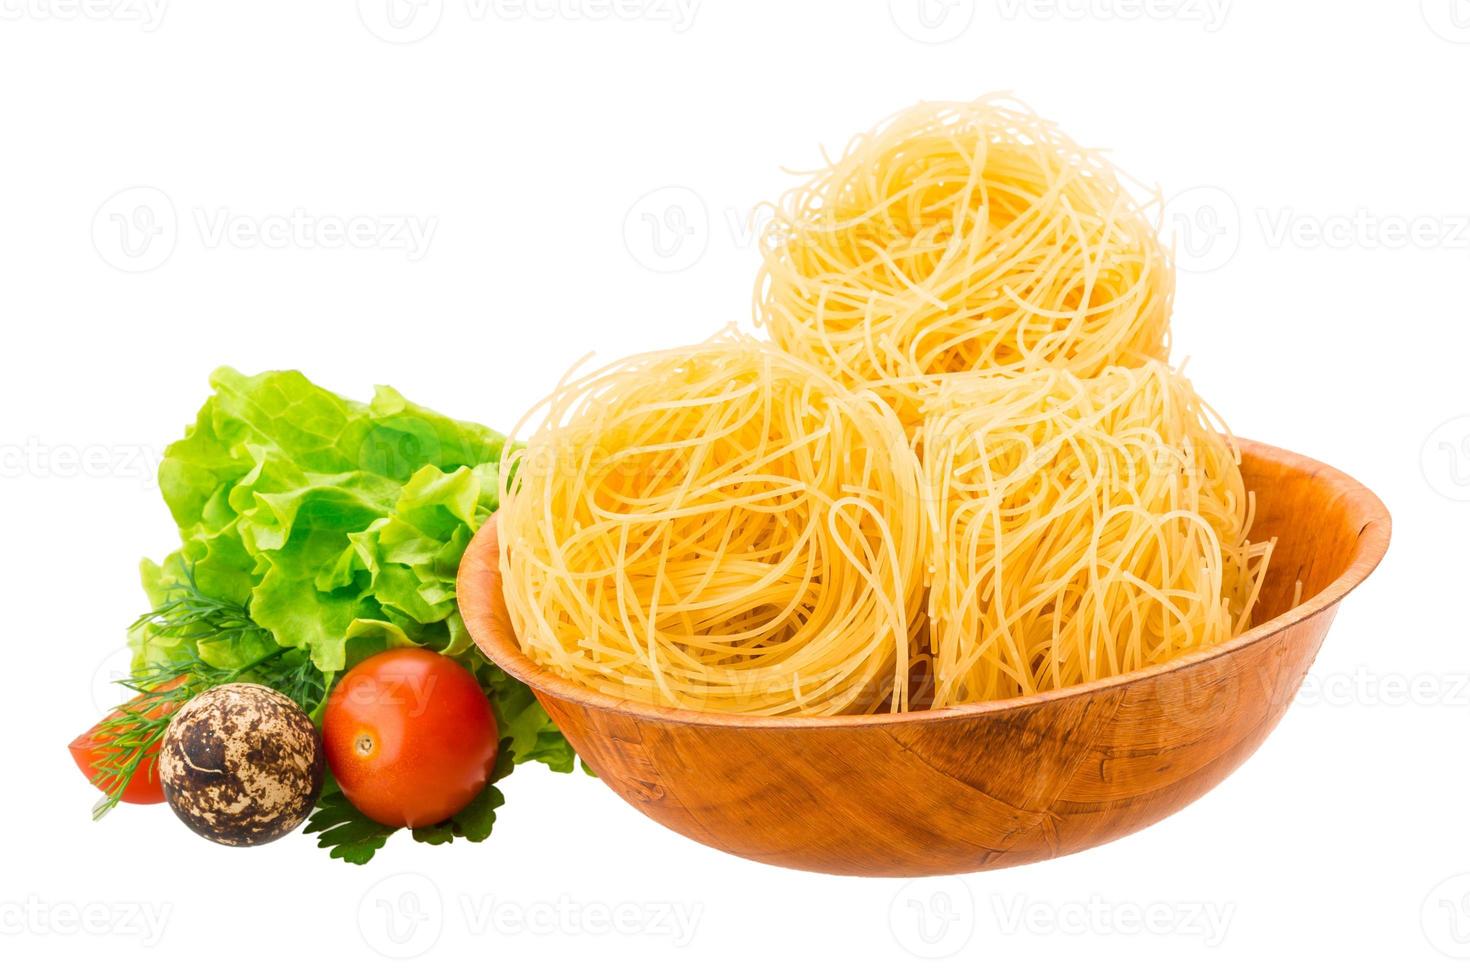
(339, 825)
(186, 615)
(474, 823)
(355, 839)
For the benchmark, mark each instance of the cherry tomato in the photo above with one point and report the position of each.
(410, 737)
(90, 751)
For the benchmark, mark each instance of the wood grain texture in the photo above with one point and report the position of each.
(987, 785)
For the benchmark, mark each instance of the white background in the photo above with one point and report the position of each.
(534, 147)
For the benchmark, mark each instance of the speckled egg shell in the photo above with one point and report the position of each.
(241, 764)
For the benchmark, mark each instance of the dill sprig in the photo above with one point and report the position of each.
(189, 613)
(128, 736)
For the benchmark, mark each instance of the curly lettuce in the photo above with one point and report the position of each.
(340, 526)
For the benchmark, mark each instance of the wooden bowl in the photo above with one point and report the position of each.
(986, 785)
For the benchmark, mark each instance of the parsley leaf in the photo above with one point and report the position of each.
(340, 826)
(354, 838)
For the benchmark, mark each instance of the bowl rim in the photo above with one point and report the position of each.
(478, 582)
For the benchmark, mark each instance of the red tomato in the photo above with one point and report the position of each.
(410, 737)
(90, 752)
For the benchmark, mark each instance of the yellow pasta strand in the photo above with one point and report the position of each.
(961, 470)
(1081, 528)
(959, 237)
(718, 527)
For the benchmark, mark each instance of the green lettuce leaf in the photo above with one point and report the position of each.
(340, 525)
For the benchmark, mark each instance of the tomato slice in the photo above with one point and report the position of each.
(90, 752)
